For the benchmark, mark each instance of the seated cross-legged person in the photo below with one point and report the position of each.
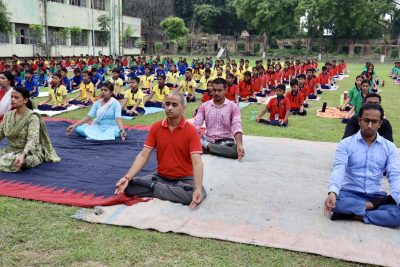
(106, 115)
(352, 126)
(246, 89)
(57, 99)
(296, 99)
(132, 105)
(223, 136)
(86, 92)
(179, 176)
(279, 109)
(188, 86)
(355, 191)
(159, 92)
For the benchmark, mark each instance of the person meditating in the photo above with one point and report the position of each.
(355, 184)
(57, 95)
(107, 123)
(179, 175)
(28, 141)
(223, 136)
(6, 87)
(352, 126)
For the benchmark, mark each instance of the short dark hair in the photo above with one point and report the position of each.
(136, 79)
(301, 76)
(77, 70)
(247, 73)
(365, 81)
(372, 107)
(64, 70)
(230, 75)
(162, 76)
(281, 86)
(294, 82)
(220, 81)
(373, 95)
(116, 70)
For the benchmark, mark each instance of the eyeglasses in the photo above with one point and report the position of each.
(368, 121)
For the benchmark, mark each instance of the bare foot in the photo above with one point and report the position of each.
(369, 206)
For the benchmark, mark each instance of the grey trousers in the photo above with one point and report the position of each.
(166, 189)
(223, 148)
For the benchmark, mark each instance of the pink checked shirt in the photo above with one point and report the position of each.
(221, 121)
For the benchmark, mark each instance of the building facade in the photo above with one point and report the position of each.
(56, 15)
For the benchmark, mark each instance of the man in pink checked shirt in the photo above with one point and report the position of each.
(223, 136)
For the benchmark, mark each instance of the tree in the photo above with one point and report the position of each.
(268, 17)
(36, 32)
(206, 15)
(104, 25)
(75, 35)
(158, 47)
(174, 28)
(5, 24)
(126, 35)
(139, 44)
(62, 34)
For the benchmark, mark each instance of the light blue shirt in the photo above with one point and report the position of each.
(113, 112)
(359, 167)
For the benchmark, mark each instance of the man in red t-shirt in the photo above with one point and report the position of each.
(279, 109)
(179, 175)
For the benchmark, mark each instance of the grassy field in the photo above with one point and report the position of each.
(41, 234)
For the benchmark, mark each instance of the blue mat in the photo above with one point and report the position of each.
(89, 167)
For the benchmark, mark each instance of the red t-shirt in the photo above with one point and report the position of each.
(2, 67)
(174, 149)
(232, 92)
(206, 96)
(287, 74)
(333, 71)
(256, 84)
(311, 85)
(296, 101)
(323, 78)
(245, 89)
(272, 78)
(303, 89)
(281, 108)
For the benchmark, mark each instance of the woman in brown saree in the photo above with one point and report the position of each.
(28, 141)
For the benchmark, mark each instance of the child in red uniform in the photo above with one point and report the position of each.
(232, 90)
(246, 90)
(301, 78)
(324, 79)
(296, 99)
(279, 109)
(311, 83)
(256, 82)
(287, 74)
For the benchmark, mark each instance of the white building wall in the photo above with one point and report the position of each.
(64, 15)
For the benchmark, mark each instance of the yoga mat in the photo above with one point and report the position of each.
(87, 173)
(147, 111)
(333, 88)
(264, 100)
(242, 105)
(317, 99)
(46, 93)
(278, 204)
(50, 113)
(332, 113)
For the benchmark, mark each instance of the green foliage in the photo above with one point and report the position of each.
(5, 24)
(205, 15)
(270, 17)
(62, 34)
(75, 31)
(211, 15)
(127, 33)
(139, 43)
(36, 32)
(174, 27)
(158, 46)
(104, 25)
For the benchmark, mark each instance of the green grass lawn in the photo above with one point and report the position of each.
(40, 234)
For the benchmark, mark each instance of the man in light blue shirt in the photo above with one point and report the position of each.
(355, 184)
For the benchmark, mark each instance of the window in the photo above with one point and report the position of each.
(56, 1)
(22, 34)
(98, 42)
(56, 37)
(99, 4)
(130, 43)
(81, 40)
(4, 38)
(78, 3)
